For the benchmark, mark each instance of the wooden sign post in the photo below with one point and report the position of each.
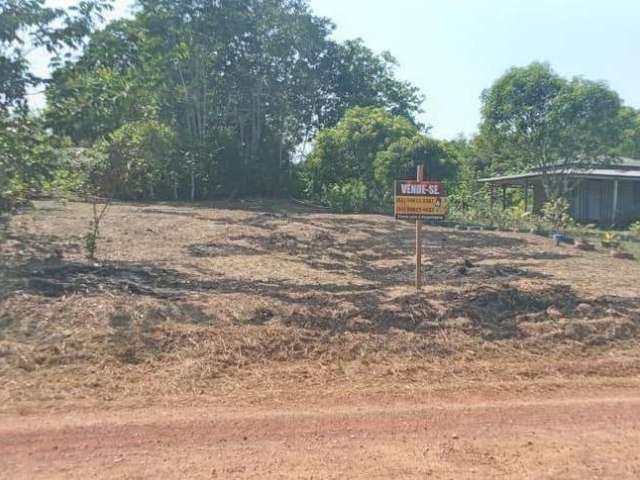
(419, 178)
(420, 200)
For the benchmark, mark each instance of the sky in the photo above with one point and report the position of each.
(453, 49)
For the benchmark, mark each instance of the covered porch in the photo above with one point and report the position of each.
(530, 184)
(605, 197)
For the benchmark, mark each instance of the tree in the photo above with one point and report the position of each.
(28, 155)
(401, 158)
(30, 22)
(137, 159)
(534, 119)
(242, 85)
(364, 153)
(356, 76)
(25, 147)
(630, 146)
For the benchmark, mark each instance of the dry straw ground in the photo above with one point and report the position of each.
(257, 298)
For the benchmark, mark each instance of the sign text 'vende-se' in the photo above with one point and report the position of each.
(416, 200)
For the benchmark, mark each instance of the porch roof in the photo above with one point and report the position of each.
(593, 173)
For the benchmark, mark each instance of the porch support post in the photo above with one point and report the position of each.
(614, 208)
(492, 195)
(504, 197)
(526, 196)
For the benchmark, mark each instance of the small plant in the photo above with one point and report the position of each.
(100, 206)
(520, 218)
(556, 212)
(634, 228)
(610, 240)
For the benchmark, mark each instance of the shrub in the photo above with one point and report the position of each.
(610, 240)
(556, 212)
(139, 156)
(65, 182)
(348, 197)
(28, 156)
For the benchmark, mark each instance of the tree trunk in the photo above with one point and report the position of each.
(193, 183)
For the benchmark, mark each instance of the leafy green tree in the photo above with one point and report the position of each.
(137, 160)
(535, 119)
(356, 76)
(630, 146)
(242, 84)
(401, 158)
(90, 105)
(348, 196)
(372, 147)
(464, 191)
(26, 154)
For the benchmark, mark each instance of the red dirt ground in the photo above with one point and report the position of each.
(575, 433)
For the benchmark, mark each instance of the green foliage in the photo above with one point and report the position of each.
(30, 23)
(400, 159)
(28, 155)
(87, 106)
(241, 84)
(610, 240)
(347, 197)
(66, 181)
(369, 81)
(91, 242)
(557, 213)
(372, 147)
(535, 119)
(634, 228)
(630, 145)
(135, 161)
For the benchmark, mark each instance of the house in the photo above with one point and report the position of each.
(605, 196)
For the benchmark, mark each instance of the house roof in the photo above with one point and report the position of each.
(624, 168)
(629, 162)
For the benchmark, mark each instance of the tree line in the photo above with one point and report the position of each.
(195, 100)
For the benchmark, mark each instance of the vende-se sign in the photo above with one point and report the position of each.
(421, 200)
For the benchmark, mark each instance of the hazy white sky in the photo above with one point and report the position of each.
(453, 49)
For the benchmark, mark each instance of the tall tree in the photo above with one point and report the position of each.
(243, 84)
(534, 119)
(25, 156)
(630, 146)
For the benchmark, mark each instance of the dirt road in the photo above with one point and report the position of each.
(582, 434)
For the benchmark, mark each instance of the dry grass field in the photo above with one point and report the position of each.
(264, 304)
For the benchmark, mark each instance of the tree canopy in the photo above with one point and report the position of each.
(365, 152)
(26, 148)
(196, 99)
(241, 84)
(532, 118)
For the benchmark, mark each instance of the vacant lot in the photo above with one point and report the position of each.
(288, 323)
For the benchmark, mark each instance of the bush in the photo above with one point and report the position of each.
(368, 150)
(136, 160)
(634, 228)
(348, 197)
(28, 156)
(556, 212)
(65, 182)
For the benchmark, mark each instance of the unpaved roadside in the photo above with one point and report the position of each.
(567, 434)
